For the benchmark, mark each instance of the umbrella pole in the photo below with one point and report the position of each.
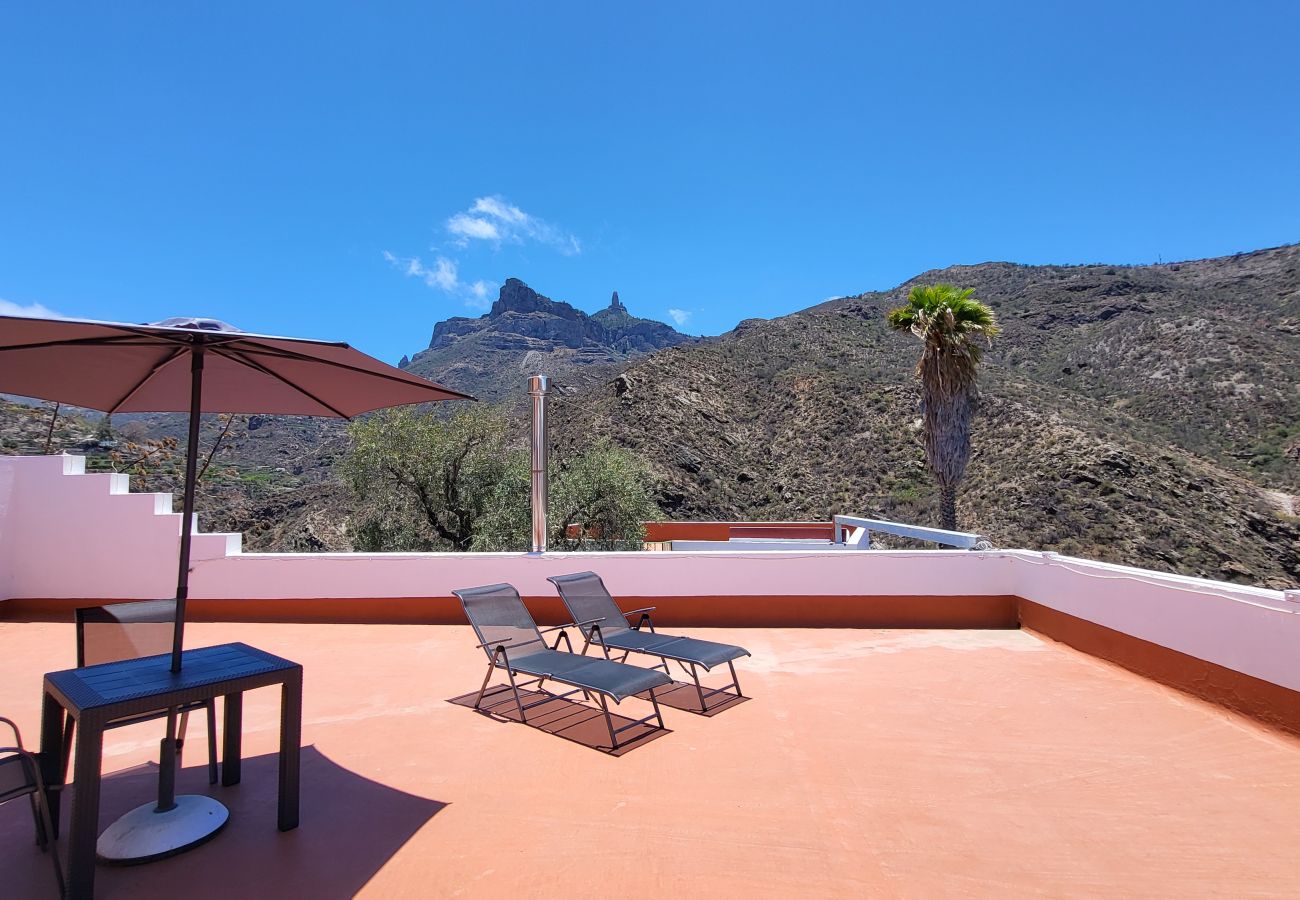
(175, 824)
(167, 760)
(187, 506)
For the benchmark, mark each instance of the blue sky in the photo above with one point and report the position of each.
(361, 171)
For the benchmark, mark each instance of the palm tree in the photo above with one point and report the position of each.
(948, 321)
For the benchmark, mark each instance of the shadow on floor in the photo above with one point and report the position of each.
(568, 719)
(682, 695)
(350, 827)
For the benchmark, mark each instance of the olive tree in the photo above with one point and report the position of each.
(425, 481)
(428, 482)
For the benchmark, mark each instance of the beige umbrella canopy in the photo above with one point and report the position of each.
(116, 367)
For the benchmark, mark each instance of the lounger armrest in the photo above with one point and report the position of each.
(572, 625)
(499, 653)
(645, 617)
(25, 754)
(18, 738)
(509, 641)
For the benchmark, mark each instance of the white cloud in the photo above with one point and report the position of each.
(466, 226)
(31, 311)
(480, 294)
(492, 219)
(679, 316)
(495, 219)
(498, 208)
(444, 275)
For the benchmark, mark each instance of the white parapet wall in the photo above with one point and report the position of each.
(65, 534)
(68, 534)
(1250, 630)
(639, 574)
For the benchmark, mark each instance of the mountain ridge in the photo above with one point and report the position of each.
(1144, 415)
(1147, 415)
(526, 333)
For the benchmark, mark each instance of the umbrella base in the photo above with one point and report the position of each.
(144, 835)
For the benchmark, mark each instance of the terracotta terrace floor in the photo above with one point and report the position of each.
(867, 763)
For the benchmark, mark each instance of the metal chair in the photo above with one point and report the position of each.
(128, 631)
(605, 625)
(20, 774)
(512, 642)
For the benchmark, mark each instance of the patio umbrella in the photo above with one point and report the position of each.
(194, 365)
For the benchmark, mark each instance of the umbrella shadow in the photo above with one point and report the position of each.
(564, 718)
(350, 827)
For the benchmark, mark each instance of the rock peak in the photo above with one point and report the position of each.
(616, 303)
(516, 296)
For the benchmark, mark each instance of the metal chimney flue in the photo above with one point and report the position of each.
(538, 385)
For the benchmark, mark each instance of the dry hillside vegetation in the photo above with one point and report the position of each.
(1147, 415)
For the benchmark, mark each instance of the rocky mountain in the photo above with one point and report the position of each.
(525, 333)
(1145, 415)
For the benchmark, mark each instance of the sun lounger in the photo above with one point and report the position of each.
(512, 642)
(604, 624)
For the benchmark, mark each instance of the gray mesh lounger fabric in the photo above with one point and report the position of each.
(613, 679)
(512, 641)
(603, 623)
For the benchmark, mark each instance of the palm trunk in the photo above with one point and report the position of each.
(948, 506)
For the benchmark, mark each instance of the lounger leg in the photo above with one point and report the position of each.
(486, 679)
(735, 682)
(47, 825)
(523, 717)
(698, 689)
(609, 723)
(654, 702)
(41, 839)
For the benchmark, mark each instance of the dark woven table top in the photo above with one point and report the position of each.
(132, 679)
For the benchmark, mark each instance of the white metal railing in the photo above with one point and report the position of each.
(860, 539)
(962, 540)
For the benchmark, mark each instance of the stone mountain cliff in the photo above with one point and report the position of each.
(525, 333)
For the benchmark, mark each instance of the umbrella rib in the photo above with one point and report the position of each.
(254, 364)
(144, 337)
(260, 348)
(174, 354)
(125, 340)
